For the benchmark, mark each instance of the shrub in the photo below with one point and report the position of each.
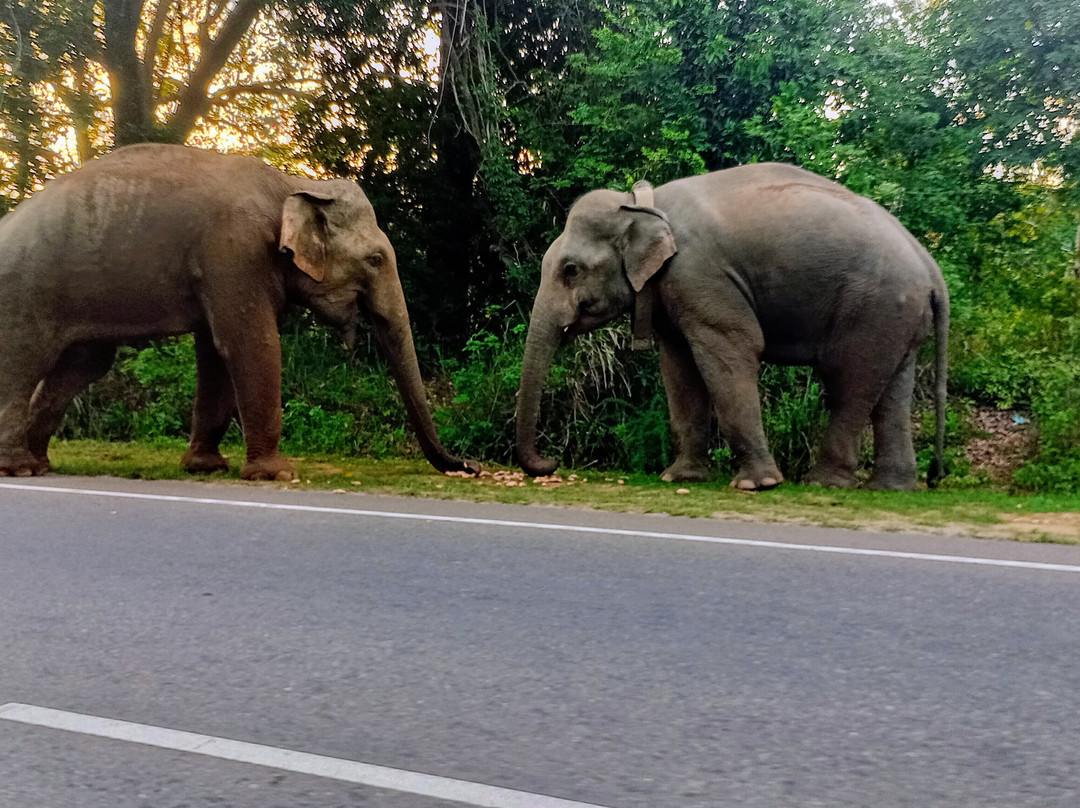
(1057, 412)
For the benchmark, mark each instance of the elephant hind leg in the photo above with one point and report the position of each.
(852, 391)
(22, 369)
(894, 452)
(215, 407)
(16, 459)
(77, 367)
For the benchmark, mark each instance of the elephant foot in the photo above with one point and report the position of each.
(757, 479)
(891, 481)
(22, 464)
(830, 477)
(685, 472)
(274, 467)
(203, 462)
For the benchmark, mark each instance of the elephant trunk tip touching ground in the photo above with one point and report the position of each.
(545, 334)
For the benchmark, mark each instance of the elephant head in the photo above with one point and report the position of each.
(346, 263)
(611, 246)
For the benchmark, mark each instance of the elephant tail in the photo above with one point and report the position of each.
(939, 305)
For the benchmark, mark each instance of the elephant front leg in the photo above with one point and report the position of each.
(688, 409)
(215, 406)
(251, 349)
(730, 371)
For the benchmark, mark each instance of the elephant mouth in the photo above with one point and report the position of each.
(585, 322)
(342, 314)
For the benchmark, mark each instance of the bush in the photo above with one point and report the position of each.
(147, 395)
(604, 405)
(335, 400)
(1057, 412)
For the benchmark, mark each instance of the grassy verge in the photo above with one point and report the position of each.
(981, 513)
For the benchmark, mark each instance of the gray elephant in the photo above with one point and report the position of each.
(157, 240)
(762, 262)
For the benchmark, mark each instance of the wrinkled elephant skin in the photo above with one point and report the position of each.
(762, 262)
(157, 240)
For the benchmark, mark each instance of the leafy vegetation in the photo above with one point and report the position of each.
(959, 116)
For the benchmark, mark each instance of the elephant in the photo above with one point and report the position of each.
(157, 240)
(760, 262)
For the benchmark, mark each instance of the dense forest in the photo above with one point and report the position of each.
(473, 125)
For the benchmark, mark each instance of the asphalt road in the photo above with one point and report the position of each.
(607, 669)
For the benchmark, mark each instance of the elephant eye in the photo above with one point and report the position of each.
(376, 260)
(570, 271)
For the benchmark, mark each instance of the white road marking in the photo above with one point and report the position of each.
(349, 771)
(606, 531)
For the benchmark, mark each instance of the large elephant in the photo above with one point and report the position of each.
(157, 240)
(759, 262)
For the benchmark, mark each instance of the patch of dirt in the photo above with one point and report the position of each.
(320, 468)
(516, 479)
(1065, 525)
(1006, 440)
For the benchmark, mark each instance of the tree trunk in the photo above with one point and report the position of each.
(1076, 251)
(452, 214)
(132, 99)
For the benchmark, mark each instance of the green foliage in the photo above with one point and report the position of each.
(605, 405)
(1057, 411)
(479, 420)
(601, 405)
(147, 396)
(334, 400)
(957, 116)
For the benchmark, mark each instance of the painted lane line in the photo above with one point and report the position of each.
(605, 531)
(349, 771)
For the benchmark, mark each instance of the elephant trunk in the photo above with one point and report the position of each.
(545, 332)
(391, 322)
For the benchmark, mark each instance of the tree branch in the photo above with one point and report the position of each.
(153, 38)
(227, 94)
(11, 146)
(194, 100)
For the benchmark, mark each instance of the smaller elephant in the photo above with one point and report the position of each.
(158, 240)
(763, 262)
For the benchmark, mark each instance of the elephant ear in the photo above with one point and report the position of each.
(649, 240)
(304, 231)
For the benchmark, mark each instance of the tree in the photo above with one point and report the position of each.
(88, 75)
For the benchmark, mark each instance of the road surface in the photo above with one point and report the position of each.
(175, 645)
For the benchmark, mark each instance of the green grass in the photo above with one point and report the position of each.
(982, 513)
